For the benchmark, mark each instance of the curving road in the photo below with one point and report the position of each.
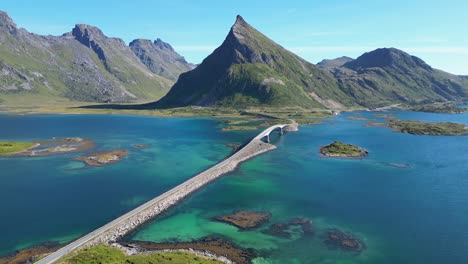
(250, 150)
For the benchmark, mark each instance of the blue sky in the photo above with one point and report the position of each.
(436, 31)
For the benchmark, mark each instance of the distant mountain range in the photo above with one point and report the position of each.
(248, 69)
(85, 65)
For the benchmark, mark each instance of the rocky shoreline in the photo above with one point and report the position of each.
(55, 146)
(210, 247)
(104, 158)
(342, 150)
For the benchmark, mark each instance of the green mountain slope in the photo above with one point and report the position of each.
(83, 65)
(249, 69)
(388, 75)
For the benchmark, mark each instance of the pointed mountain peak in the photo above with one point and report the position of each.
(88, 30)
(163, 45)
(240, 21)
(140, 42)
(240, 28)
(7, 22)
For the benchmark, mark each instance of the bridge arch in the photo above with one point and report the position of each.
(265, 135)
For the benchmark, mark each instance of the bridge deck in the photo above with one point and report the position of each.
(131, 220)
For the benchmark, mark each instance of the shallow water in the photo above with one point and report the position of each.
(56, 199)
(403, 215)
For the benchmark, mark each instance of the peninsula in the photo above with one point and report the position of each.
(428, 128)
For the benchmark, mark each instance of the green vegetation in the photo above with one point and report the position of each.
(249, 69)
(428, 128)
(110, 255)
(108, 71)
(13, 147)
(439, 108)
(340, 149)
(388, 76)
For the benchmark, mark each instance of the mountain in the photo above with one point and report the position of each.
(249, 69)
(82, 65)
(388, 75)
(338, 62)
(160, 58)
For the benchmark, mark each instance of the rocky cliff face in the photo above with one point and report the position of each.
(160, 58)
(82, 65)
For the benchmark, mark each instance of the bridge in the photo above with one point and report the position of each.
(128, 222)
(266, 133)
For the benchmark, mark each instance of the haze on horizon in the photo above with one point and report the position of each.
(315, 30)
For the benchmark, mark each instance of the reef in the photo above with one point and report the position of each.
(245, 219)
(286, 230)
(337, 239)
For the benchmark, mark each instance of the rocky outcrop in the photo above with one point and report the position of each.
(83, 33)
(160, 58)
(338, 62)
(82, 65)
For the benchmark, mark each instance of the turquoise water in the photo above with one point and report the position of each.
(404, 215)
(57, 199)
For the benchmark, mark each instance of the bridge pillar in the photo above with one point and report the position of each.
(268, 138)
(281, 131)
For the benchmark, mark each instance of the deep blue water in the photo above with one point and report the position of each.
(404, 215)
(56, 199)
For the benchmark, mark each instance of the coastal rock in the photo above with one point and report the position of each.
(245, 219)
(284, 230)
(337, 239)
(105, 158)
(211, 245)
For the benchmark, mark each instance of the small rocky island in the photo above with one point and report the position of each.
(339, 149)
(428, 128)
(245, 219)
(104, 158)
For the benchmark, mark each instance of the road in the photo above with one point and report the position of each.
(241, 155)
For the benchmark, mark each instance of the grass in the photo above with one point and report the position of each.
(428, 128)
(449, 108)
(342, 149)
(109, 255)
(13, 147)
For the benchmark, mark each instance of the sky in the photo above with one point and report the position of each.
(436, 31)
